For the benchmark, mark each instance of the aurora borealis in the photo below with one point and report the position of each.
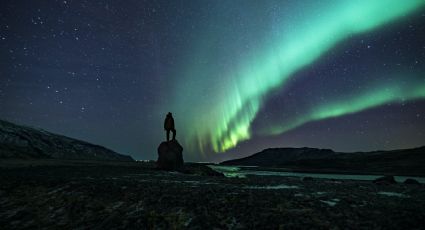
(247, 86)
(238, 76)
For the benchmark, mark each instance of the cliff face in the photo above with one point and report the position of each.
(24, 142)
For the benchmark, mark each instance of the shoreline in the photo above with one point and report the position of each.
(321, 171)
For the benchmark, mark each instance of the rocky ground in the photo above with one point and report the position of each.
(137, 196)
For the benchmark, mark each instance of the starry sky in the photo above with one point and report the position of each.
(239, 76)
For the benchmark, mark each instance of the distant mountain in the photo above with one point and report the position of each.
(273, 157)
(400, 162)
(18, 141)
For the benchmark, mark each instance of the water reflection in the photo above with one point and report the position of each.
(242, 171)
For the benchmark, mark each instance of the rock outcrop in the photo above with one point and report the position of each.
(307, 178)
(23, 142)
(201, 170)
(385, 180)
(170, 155)
(411, 181)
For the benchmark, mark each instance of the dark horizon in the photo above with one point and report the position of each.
(245, 154)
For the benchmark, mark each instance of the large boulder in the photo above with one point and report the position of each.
(385, 180)
(308, 178)
(411, 181)
(200, 170)
(170, 155)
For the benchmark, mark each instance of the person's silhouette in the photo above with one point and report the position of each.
(169, 126)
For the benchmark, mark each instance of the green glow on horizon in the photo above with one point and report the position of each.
(226, 121)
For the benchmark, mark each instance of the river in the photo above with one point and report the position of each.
(242, 171)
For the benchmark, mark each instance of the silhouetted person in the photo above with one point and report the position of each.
(169, 126)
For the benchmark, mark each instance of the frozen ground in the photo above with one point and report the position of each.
(136, 196)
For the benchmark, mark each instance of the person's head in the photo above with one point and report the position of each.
(169, 114)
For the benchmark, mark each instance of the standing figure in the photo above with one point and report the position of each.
(169, 126)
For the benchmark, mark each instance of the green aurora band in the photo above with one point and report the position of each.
(226, 121)
(371, 98)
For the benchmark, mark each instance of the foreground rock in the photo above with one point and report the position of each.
(411, 181)
(385, 180)
(170, 156)
(307, 178)
(200, 170)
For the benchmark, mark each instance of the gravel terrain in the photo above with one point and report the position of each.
(137, 196)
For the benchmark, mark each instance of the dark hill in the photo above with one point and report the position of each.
(400, 162)
(28, 143)
(274, 157)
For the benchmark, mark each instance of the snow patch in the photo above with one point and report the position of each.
(331, 202)
(393, 194)
(282, 186)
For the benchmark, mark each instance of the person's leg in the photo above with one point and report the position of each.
(168, 134)
(174, 134)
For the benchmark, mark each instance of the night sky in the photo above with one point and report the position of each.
(238, 76)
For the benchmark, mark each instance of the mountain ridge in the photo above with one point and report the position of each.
(19, 141)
